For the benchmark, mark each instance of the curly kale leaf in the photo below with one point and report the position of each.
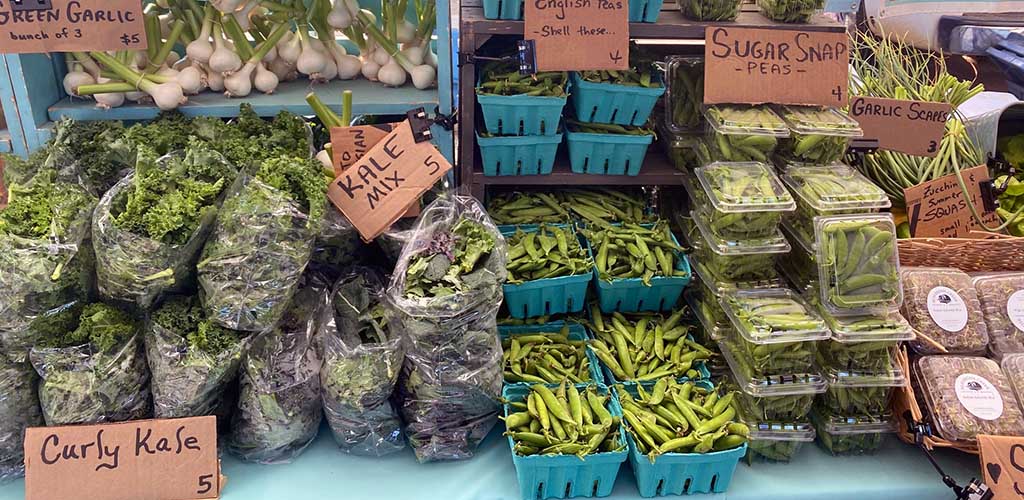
(169, 132)
(184, 315)
(103, 326)
(168, 202)
(93, 148)
(44, 207)
(18, 170)
(301, 179)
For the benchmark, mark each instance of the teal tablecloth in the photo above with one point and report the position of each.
(896, 472)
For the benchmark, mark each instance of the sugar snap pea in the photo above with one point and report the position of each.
(548, 357)
(686, 85)
(858, 262)
(646, 347)
(548, 252)
(503, 78)
(818, 136)
(626, 251)
(739, 133)
(569, 435)
(834, 190)
(790, 11)
(709, 10)
(740, 201)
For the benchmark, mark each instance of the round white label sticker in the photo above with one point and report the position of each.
(1015, 309)
(947, 309)
(979, 396)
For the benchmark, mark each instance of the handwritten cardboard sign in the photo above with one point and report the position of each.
(1002, 463)
(912, 127)
(939, 208)
(349, 144)
(70, 25)
(173, 459)
(578, 34)
(375, 191)
(754, 66)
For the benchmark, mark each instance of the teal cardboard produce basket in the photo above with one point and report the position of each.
(508, 10)
(644, 11)
(546, 296)
(576, 332)
(518, 155)
(607, 154)
(521, 114)
(611, 103)
(632, 295)
(566, 476)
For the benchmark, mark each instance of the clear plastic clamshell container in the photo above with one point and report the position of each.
(703, 301)
(736, 261)
(817, 136)
(858, 265)
(850, 434)
(942, 306)
(685, 93)
(772, 316)
(709, 10)
(1013, 368)
(863, 344)
(790, 11)
(741, 200)
(778, 398)
(742, 132)
(1002, 304)
(966, 396)
(861, 392)
(835, 189)
(680, 147)
(777, 441)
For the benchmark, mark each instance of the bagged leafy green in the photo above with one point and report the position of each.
(279, 408)
(148, 229)
(262, 243)
(192, 359)
(337, 246)
(19, 409)
(443, 300)
(94, 149)
(46, 259)
(394, 238)
(95, 373)
(361, 365)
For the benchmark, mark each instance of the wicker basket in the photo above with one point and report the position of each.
(904, 400)
(989, 252)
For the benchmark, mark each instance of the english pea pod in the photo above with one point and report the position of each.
(569, 434)
(646, 347)
(858, 267)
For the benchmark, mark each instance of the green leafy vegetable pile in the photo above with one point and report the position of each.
(94, 373)
(262, 243)
(19, 409)
(150, 227)
(193, 360)
(361, 364)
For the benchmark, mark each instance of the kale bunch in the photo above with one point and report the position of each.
(279, 408)
(193, 360)
(167, 133)
(443, 301)
(361, 362)
(93, 150)
(18, 170)
(46, 260)
(150, 227)
(248, 140)
(262, 243)
(19, 409)
(94, 373)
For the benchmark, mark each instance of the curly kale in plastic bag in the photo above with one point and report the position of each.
(361, 365)
(443, 300)
(279, 409)
(46, 260)
(192, 359)
(19, 409)
(264, 235)
(149, 228)
(95, 373)
(94, 148)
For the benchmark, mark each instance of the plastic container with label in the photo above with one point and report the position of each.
(777, 442)
(685, 97)
(861, 392)
(736, 261)
(817, 136)
(966, 396)
(858, 265)
(742, 133)
(835, 189)
(781, 398)
(1002, 304)
(943, 308)
(1013, 368)
(743, 200)
(850, 434)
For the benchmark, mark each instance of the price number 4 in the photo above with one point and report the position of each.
(838, 92)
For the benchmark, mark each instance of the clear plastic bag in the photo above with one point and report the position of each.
(252, 263)
(83, 386)
(189, 381)
(452, 375)
(279, 408)
(135, 268)
(19, 409)
(41, 277)
(394, 238)
(337, 246)
(361, 366)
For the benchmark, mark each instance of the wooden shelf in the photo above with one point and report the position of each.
(671, 24)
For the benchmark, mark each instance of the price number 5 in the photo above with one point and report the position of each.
(205, 484)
